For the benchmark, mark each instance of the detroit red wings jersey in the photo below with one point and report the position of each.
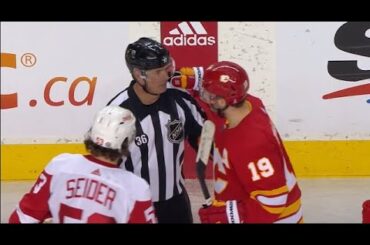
(251, 166)
(82, 189)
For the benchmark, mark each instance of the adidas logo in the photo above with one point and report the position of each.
(190, 33)
(96, 172)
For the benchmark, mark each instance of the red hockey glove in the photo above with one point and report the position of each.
(188, 78)
(229, 212)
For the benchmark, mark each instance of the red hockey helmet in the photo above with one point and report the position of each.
(227, 80)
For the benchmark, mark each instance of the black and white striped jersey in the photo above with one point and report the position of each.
(161, 128)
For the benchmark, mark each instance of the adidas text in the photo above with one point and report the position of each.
(186, 40)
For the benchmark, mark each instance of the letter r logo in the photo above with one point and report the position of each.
(8, 100)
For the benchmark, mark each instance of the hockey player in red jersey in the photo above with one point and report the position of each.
(75, 188)
(253, 178)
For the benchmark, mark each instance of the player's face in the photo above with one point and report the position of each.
(207, 96)
(157, 78)
(214, 102)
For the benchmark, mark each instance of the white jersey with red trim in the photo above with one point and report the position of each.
(74, 188)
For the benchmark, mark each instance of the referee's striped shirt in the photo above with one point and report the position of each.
(161, 128)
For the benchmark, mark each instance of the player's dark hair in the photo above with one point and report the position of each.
(110, 154)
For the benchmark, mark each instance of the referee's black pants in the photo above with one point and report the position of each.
(175, 210)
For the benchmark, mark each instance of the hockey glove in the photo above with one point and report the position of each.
(188, 78)
(229, 212)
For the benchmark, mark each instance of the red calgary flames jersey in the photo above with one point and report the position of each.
(82, 189)
(251, 166)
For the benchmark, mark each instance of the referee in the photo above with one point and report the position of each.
(165, 118)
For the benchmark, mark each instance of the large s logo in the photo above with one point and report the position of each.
(354, 38)
(351, 38)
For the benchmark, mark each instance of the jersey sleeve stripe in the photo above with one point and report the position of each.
(284, 211)
(195, 111)
(296, 218)
(273, 201)
(274, 192)
(24, 218)
(291, 209)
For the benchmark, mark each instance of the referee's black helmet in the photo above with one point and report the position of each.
(146, 54)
